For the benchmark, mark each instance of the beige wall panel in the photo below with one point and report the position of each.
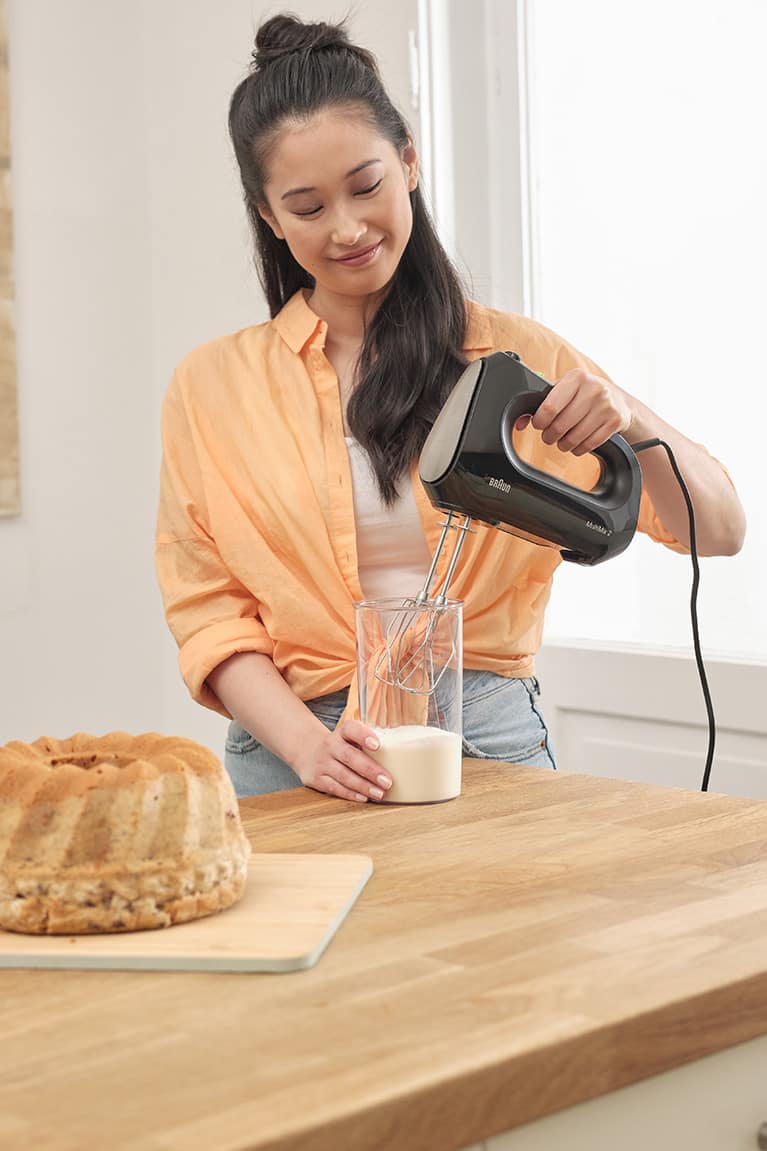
(9, 424)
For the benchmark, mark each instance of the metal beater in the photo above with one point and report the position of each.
(407, 658)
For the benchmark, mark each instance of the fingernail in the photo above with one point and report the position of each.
(376, 793)
(384, 780)
(372, 742)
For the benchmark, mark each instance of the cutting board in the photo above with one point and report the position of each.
(291, 909)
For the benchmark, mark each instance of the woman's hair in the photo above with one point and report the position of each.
(412, 352)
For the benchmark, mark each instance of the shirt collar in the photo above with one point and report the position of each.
(298, 325)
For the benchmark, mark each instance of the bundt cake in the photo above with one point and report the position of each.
(116, 833)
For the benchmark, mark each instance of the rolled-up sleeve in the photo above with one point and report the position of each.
(650, 522)
(210, 614)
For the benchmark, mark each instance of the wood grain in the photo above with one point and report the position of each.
(543, 939)
(9, 431)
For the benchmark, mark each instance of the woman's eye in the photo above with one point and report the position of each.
(307, 212)
(372, 188)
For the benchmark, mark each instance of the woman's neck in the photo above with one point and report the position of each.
(347, 317)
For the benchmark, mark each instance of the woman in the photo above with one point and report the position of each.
(289, 483)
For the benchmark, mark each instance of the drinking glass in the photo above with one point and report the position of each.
(410, 672)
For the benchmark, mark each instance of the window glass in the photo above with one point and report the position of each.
(648, 178)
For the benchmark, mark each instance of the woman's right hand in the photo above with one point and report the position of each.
(254, 692)
(337, 764)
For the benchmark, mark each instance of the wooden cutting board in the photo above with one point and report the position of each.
(292, 907)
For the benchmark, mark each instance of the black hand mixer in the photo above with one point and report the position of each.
(469, 465)
(470, 468)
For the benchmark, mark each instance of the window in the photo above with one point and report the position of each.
(648, 186)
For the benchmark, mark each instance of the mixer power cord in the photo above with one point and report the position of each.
(658, 443)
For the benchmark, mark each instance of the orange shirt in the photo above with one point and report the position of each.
(256, 544)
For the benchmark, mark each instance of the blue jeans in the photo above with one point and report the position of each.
(501, 721)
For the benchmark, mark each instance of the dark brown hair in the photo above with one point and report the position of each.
(412, 353)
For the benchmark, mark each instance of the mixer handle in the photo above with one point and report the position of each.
(616, 458)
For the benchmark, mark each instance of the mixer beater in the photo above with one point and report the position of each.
(407, 659)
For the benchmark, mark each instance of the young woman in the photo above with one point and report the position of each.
(289, 483)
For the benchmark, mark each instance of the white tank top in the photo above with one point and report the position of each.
(392, 552)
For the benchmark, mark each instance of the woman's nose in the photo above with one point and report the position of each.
(347, 231)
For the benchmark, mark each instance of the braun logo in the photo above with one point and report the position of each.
(598, 528)
(500, 484)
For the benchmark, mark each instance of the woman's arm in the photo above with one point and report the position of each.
(720, 521)
(255, 694)
(582, 410)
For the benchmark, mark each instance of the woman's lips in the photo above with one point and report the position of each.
(363, 256)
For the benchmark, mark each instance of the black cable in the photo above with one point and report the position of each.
(657, 443)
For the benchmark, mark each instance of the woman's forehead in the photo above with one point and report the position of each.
(335, 141)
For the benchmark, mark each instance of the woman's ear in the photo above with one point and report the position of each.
(266, 215)
(410, 161)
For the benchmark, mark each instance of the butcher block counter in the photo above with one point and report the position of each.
(545, 939)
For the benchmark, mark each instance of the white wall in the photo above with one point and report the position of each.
(131, 248)
(78, 614)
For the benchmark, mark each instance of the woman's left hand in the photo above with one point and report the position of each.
(580, 412)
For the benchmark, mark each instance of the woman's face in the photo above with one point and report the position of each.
(338, 194)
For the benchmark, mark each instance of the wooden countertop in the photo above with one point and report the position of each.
(541, 940)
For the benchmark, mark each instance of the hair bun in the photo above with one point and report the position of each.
(283, 35)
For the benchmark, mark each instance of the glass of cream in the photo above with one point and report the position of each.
(410, 673)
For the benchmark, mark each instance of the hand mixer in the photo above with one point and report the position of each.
(469, 466)
(471, 469)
